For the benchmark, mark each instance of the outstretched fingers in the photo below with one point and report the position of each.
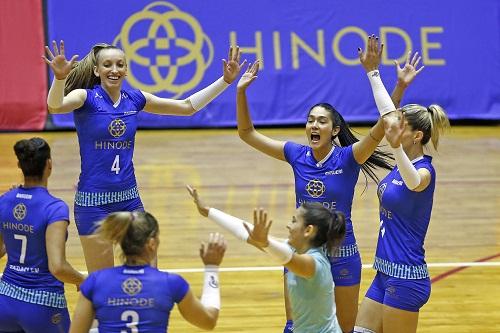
(61, 48)
(54, 47)
(396, 62)
(381, 49)
(230, 56)
(192, 191)
(49, 52)
(73, 59)
(236, 54)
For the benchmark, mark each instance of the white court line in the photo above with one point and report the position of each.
(365, 266)
(280, 268)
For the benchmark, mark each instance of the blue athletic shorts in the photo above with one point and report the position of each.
(404, 294)
(18, 316)
(346, 271)
(86, 217)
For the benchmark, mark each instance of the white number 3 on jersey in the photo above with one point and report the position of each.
(116, 164)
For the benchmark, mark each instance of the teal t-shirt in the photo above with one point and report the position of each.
(312, 299)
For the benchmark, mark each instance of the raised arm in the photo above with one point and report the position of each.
(204, 313)
(258, 235)
(415, 180)
(61, 67)
(194, 103)
(55, 238)
(246, 130)
(405, 76)
(370, 60)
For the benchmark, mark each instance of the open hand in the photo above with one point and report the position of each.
(394, 126)
(57, 61)
(232, 67)
(371, 58)
(212, 253)
(259, 235)
(202, 209)
(409, 70)
(249, 76)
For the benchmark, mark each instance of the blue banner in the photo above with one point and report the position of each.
(308, 48)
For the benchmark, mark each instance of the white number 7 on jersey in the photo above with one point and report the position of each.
(116, 164)
(24, 245)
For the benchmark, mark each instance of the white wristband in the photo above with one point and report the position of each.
(201, 98)
(410, 175)
(279, 251)
(382, 98)
(56, 93)
(232, 224)
(211, 292)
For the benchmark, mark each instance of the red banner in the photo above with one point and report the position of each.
(23, 81)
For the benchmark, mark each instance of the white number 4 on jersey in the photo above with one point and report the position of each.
(116, 164)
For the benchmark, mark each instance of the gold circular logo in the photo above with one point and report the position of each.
(117, 128)
(315, 188)
(19, 212)
(132, 286)
(157, 23)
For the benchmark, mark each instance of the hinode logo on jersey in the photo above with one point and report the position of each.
(19, 212)
(132, 286)
(315, 188)
(117, 128)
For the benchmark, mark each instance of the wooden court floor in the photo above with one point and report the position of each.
(463, 242)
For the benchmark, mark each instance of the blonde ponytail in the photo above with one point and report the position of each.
(129, 229)
(432, 121)
(439, 123)
(115, 226)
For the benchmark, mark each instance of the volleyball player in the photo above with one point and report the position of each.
(314, 231)
(33, 228)
(326, 170)
(402, 284)
(106, 119)
(137, 297)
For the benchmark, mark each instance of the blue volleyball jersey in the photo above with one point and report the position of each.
(25, 214)
(106, 135)
(404, 219)
(128, 297)
(330, 181)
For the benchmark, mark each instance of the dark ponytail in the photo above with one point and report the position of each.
(378, 159)
(331, 225)
(336, 232)
(32, 155)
